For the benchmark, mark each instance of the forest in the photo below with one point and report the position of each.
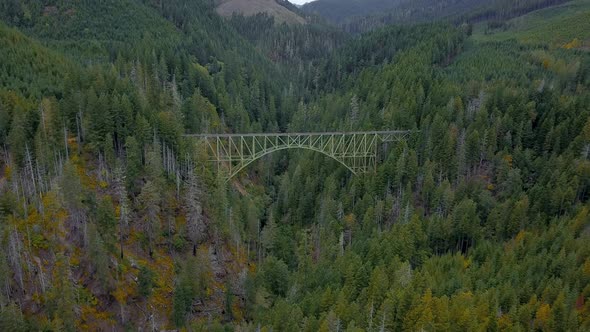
(363, 15)
(112, 219)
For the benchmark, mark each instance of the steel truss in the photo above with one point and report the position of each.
(357, 151)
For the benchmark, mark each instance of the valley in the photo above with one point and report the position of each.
(233, 165)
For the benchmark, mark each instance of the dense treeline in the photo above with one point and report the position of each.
(110, 219)
(503, 10)
(292, 44)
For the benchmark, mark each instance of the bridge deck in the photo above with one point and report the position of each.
(301, 134)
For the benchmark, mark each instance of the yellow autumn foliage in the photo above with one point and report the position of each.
(91, 319)
(575, 43)
(120, 294)
(586, 268)
(8, 172)
(543, 315)
(508, 158)
(504, 323)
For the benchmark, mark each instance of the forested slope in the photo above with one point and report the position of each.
(464, 227)
(111, 220)
(279, 11)
(565, 26)
(360, 16)
(95, 183)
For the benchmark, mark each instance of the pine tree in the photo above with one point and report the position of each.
(134, 161)
(268, 235)
(99, 259)
(149, 203)
(73, 195)
(63, 295)
(145, 280)
(11, 318)
(354, 111)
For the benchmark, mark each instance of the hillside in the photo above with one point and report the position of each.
(111, 219)
(81, 104)
(252, 7)
(567, 25)
(29, 67)
(375, 13)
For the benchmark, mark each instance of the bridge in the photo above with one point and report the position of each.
(357, 150)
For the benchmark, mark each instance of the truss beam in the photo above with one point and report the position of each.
(357, 151)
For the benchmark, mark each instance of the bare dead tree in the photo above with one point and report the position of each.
(195, 225)
(123, 203)
(14, 257)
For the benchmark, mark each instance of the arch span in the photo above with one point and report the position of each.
(245, 164)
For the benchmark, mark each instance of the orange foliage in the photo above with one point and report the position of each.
(349, 220)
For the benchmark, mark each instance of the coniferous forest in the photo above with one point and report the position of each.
(112, 220)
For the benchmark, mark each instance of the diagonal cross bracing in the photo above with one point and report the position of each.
(356, 150)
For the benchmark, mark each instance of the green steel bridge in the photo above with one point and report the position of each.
(356, 150)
